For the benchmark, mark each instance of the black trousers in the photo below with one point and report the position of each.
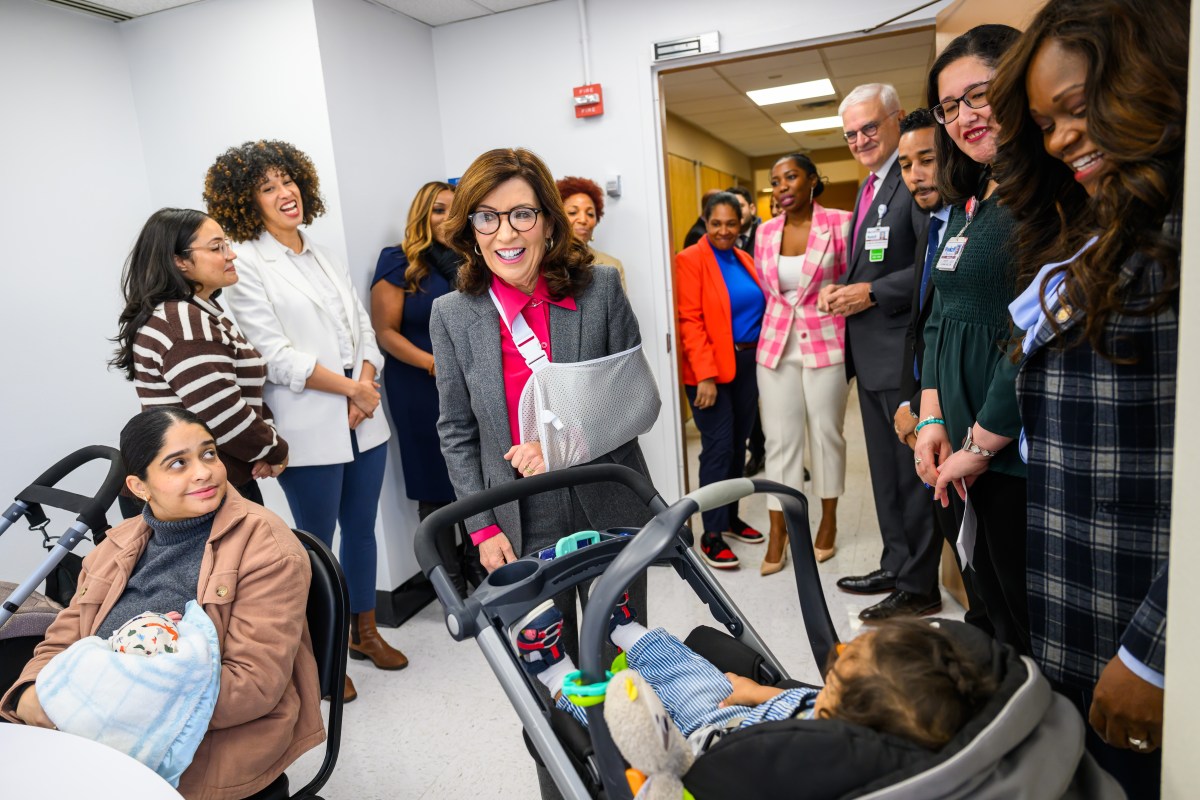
(724, 428)
(947, 524)
(998, 563)
(911, 549)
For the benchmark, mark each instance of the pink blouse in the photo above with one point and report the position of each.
(536, 311)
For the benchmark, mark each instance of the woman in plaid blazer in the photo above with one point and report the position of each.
(801, 378)
(1091, 104)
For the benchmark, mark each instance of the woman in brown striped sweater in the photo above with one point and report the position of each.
(179, 347)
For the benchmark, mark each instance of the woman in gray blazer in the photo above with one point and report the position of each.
(509, 226)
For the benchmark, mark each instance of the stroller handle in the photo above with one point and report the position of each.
(442, 520)
(92, 510)
(646, 547)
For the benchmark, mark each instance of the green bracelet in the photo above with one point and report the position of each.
(929, 421)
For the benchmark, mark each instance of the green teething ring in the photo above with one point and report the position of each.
(584, 696)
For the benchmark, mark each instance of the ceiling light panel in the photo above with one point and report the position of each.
(817, 124)
(792, 92)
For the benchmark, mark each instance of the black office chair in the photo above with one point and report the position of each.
(329, 627)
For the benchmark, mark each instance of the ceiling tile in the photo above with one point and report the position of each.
(712, 98)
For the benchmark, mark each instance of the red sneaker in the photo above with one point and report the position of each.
(744, 533)
(716, 552)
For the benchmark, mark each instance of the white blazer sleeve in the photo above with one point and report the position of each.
(370, 347)
(256, 316)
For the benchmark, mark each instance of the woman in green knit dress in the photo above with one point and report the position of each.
(968, 392)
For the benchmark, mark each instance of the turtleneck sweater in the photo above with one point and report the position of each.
(165, 577)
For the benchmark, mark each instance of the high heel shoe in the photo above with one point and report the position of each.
(778, 533)
(771, 567)
(828, 510)
(824, 554)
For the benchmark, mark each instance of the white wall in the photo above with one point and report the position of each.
(1181, 769)
(73, 178)
(387, 140)
(506, 80)
(211, 75)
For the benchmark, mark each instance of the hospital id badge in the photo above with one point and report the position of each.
(877, 237)
(951, 253)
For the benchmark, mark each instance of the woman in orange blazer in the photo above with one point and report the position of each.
(720, 304)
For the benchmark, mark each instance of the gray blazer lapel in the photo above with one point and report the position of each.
(484, 335)
(565, 331)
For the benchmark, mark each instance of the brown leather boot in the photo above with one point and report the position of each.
(350, 693)
(777, 542)
(365, 642)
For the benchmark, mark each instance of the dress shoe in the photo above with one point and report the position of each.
(881, 580)
(350, 693)
(903, 604)
(365, 642)
(823, 554)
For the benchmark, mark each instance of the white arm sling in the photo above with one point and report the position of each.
(581, 410)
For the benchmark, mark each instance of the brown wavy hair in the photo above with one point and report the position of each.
(1136, 98)
(418, 233)
(231, 185)
(567, 263)
(572, 185)
(959, 176)
(915, 682)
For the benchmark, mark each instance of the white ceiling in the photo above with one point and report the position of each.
(431, 12)
(714, 98)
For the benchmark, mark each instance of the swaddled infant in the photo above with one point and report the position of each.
(147, 634)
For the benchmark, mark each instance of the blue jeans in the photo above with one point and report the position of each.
(347, 495)
(724, 427)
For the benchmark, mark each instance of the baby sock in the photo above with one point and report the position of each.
(552, 677)
(627, 635)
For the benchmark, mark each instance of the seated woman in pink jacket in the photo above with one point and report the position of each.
(198, 539)
(801, 351)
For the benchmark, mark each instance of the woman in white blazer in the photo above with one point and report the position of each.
(296, 303)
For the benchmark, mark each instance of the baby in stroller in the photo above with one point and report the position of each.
(905, 677)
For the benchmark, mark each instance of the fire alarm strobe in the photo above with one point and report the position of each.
(589, 101)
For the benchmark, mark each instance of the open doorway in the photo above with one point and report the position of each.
(716, 136)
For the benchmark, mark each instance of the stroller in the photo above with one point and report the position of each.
(23, 624)
(1026, 742)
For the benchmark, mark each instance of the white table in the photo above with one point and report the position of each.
(40, 763)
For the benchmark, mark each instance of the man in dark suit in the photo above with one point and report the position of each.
(875, 296)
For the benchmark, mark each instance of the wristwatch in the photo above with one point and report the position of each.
(871, 296)
(970, 446)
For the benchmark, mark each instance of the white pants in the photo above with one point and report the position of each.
(794, 398)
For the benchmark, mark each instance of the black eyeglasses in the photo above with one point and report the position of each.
(224, 247)
(975, 97)
(868, 131)
(521, 218)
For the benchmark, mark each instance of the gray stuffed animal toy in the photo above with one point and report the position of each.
(648, 739)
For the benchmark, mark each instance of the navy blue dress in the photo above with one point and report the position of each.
(411, 391)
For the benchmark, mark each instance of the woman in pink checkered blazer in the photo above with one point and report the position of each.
(801, 352)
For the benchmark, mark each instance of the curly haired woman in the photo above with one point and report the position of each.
(584, 203)
(1091, 104)
(296, 304)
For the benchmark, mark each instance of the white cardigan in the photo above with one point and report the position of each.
(282, 314)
